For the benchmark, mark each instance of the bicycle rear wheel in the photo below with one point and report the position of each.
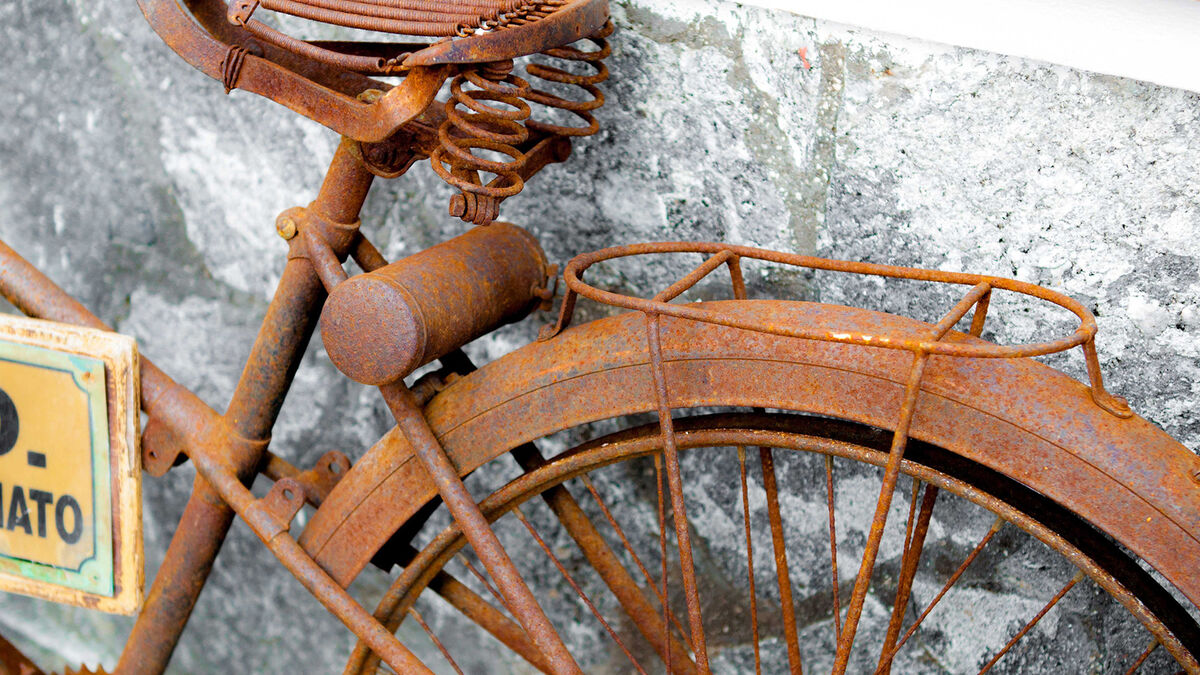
(1030, 612)
(1016, 442)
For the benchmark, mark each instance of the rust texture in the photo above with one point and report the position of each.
(229, 448)
(494, 115)
(690, 435)
(1074, 444)
(602, 370)
(387, 128)
(14, 662)
(380, 326)
(921, 347)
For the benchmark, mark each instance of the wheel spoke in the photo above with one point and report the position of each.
(662, 545)
(750, 561)
(935, 477)
(837, 610)
(892, 472)
(1142, 659)
(908, 571)
(604, 561)
(675, 484)
(442, 648)
(479, 611)
(996, 525)
(485, 581)
(890, 476)
(912, 516)
(485, 615)
(575, 586)
(766, 457)
(475, 527)
(650, 582)
(1033, 622)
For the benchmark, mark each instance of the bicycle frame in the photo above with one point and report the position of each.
(229, 450)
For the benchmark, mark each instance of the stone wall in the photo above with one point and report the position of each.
(136, 184)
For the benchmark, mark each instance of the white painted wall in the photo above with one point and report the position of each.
(1153, 40)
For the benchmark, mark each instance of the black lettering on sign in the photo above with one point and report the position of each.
(1, 506)
(68, 502)
(36, 459)
(10, 427)
(42, 499)
(18, 513)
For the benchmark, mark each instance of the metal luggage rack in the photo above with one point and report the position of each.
(978, 298)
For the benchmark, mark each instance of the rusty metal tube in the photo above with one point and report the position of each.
(345, 187)
(178, 583)
(380, 326)
(275, 355)
(474, 525)
(36, 295)
(281, 342)
(268, 374)
(292, 314)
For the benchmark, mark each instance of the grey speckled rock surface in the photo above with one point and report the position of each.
(142, 189)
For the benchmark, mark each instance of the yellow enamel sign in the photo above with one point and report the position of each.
(70, 520)
(54, 463)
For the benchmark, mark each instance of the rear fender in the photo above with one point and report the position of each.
(1016, 416)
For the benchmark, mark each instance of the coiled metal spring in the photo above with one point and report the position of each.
(473, 123)
(583, 108)
(495, 117)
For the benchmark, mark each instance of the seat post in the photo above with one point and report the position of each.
(293, 312)
(282, 340)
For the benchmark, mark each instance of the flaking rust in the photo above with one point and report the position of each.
(506, 118)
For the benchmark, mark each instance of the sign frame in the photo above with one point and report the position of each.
(119, 356)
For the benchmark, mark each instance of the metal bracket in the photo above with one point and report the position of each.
(565, 312)
(272, 515)
(240, 11)
(548, 289)
(318, 481)
(390, 158)
(161, 448)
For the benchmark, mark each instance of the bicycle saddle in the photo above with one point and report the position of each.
(472, 31)
(472, 43)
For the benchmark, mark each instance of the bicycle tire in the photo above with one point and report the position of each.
(1084, 546)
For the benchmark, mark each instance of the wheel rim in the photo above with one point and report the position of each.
(1095, 556)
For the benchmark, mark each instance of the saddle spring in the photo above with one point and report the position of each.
(489, 111)
(582, 109)
(472, 124)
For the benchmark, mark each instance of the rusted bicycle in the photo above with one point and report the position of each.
(661, 394)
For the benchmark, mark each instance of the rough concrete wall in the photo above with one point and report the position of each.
(140, 187)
